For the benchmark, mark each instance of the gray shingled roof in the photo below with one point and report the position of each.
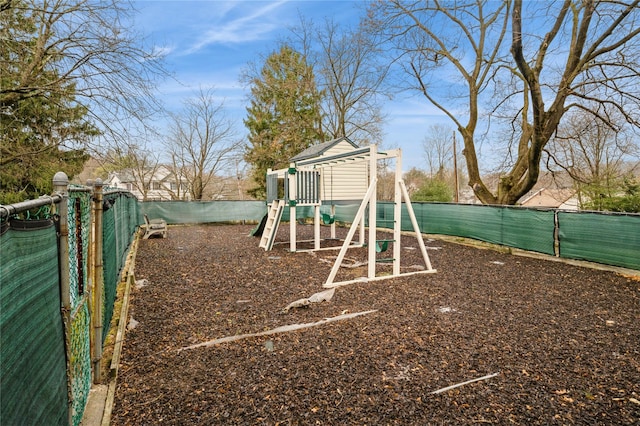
(319, 149)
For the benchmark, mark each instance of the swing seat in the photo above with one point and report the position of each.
(382, 245)
(327, 219)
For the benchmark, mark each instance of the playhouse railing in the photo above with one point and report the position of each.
(272, 187)
(307, 184)
(308, 187)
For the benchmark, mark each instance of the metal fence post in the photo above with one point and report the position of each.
(61, 188)
(98, 280)
(60, 184)
(556, 233)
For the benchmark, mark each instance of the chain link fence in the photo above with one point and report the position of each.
(48, 297)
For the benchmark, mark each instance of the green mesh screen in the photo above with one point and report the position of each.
(203, 211)
(36, 377)
(301, 213)
(79, 361)
(347, 212)
(344, 212)
(526, 229)
(110, 268)
(605, 238)
(33, 389)
(133, 217)
(119, 224)
(477, 222)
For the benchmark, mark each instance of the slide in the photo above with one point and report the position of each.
(257, 231)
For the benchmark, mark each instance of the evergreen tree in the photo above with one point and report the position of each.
(41, 129)
(283, 118)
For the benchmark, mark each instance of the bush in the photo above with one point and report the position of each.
(624, 204)
(434, 190)
(627, 202)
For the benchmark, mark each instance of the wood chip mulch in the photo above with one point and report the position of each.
(551, 343)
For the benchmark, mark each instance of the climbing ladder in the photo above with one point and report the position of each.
(271, 227)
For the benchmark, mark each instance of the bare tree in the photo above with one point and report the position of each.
(201, 143)
(90, 47)
(438, 150)
(135, 160)
(567, 55)
(596, 156)
(414, 179)
(350, 72)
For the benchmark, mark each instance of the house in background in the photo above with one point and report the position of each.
(162, 185)
(553, 190)
(558, 198)
(159, 184)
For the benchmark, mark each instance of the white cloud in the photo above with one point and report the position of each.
(250, 27)
(163, 51)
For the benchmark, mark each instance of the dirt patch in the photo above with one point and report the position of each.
(550, 343)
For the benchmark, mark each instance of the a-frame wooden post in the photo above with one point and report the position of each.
(373, 207)
(370, 200)
(293, 196)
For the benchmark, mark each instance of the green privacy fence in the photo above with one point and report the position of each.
(612, 239)
(345, 211)
(120, 221)
(47, 297)
(33, 388)
(607, 238)
(177, 212)
(526, 229)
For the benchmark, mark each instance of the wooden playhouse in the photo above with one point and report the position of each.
(333, 173)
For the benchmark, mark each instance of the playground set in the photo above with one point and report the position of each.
(340, 172)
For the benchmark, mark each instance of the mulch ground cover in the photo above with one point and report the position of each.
(550, 343)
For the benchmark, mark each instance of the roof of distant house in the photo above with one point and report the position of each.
(546, 197)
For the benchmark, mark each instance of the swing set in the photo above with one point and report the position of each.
(306, 183)
(329, 218)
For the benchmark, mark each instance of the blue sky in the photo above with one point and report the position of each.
(208, 43)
